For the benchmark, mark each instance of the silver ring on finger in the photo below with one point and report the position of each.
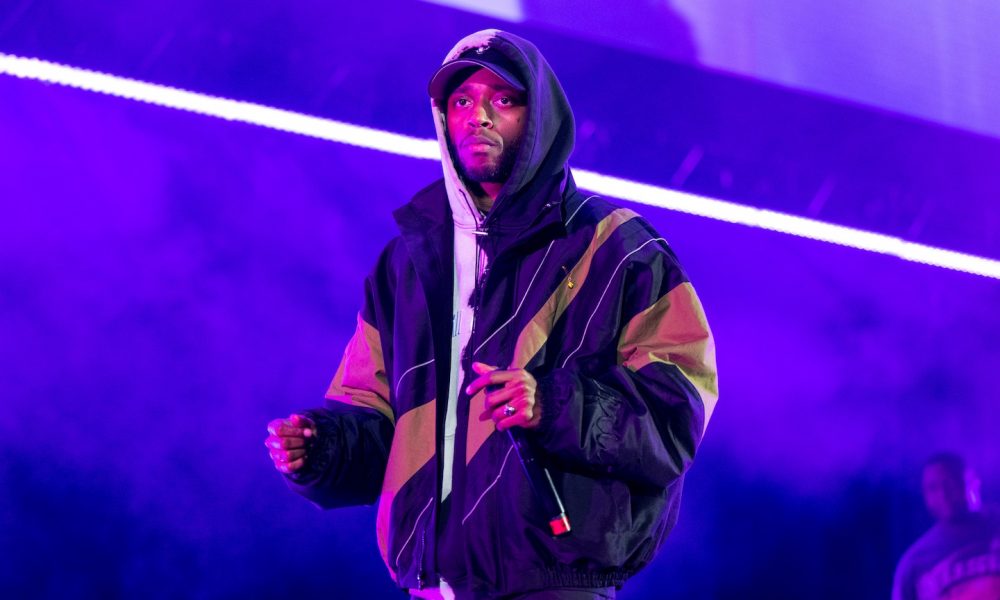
(509, 411)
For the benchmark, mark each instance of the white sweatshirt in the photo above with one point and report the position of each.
(467, 271)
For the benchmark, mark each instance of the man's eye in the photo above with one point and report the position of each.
(461, 102)
(505, 100)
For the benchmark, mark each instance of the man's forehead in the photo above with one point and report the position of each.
(937, 471)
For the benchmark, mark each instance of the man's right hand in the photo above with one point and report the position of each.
(287, 442)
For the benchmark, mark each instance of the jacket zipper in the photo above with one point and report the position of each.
(480, 276)
(420, 568)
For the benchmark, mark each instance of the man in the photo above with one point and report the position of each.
(511, 300)
(959, 557)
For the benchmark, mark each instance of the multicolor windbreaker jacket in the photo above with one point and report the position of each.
(585, 296)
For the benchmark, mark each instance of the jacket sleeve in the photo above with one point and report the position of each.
(639, 418)
(346, 460)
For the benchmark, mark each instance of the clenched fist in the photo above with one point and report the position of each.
(511, 398)
(287, 442)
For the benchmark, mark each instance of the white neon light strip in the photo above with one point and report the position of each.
(383, 141)
(223, 108)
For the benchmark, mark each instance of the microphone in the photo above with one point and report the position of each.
(539, 479)
(541, 484)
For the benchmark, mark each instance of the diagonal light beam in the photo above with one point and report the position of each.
(394, 143)
(223, 108)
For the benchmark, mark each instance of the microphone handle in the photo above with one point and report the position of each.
(541, 484)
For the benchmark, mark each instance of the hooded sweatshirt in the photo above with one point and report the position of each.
(583, 295)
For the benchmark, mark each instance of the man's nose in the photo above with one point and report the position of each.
(480, 116)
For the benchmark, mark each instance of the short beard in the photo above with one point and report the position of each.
(496, 173)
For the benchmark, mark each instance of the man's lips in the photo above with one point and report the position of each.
(477, 140)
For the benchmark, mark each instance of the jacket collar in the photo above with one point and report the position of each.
(427, 226)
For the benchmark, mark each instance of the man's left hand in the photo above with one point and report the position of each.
(511, 396)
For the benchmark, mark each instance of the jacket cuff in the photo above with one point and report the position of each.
(320, 449)
(555, 391)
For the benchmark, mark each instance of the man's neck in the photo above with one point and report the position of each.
(962, 518)
(485, 195)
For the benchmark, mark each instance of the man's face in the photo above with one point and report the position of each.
(486, 118)
(946, 492)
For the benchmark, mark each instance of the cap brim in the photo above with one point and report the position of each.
(441, 82)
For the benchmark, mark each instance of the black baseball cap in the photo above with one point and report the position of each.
(455, 71)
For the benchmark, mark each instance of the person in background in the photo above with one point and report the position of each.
(958, 558)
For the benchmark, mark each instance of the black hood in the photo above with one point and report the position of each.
(549, 133)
